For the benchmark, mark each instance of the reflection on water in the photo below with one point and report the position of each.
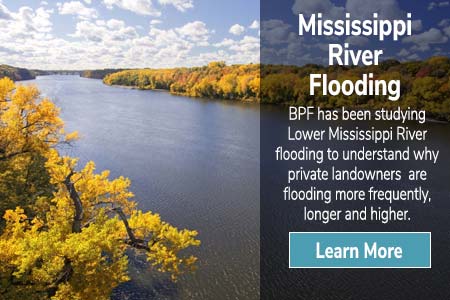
(194, 161)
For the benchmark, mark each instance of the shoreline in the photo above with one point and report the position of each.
(248, 100)
(251, 100)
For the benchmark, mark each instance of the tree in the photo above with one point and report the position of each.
(216, 80)
(29, 127)
(73, 241)
(424, 84)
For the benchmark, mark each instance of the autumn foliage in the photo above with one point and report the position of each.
(16, 73)
(67, 230)
(216, 80)
(424, 84)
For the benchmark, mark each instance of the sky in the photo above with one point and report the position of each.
(96, 34)
(281, 43)
(92, 34)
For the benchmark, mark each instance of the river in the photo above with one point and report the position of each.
(197, 163)
(194, 161)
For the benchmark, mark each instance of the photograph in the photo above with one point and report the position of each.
(129, 149)
(224, 149)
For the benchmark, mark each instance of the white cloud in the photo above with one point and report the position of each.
(25, 36)
(388, 9)
(115, 24)
(237, 29)
(414, 56)
(446, 30)
(225, 43)
(28, 41)
(246, 44)
(4, 12)
(244, 50)
(195, 31)
(357, 40)
(444, 23)
(309, 7)
(77, 8)
(275, 32)
(254, 25)
(28, 21)
(181, 5)
(106, 32)
(403, 53)
(282, 44)
(423, 40)
(416, 25)
(142, 7)
(433, 4)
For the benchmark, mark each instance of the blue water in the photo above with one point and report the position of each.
(194, 161)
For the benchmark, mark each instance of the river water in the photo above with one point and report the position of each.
(194, 161)
(197, 163)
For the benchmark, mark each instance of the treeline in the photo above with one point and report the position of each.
(424, 85)
(216, 80)
(16, 74)
(98, 74)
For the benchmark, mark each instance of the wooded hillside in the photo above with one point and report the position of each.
(16, 74)
(424, 84)
(216, 80)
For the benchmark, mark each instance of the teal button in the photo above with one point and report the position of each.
(360, 250)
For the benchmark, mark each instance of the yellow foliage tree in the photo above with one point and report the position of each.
(216, 80)
(74, 240)
(29, 126)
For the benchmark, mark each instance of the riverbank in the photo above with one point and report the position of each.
(430, 118)
(16, 74)
(424, 84)
(248, 100)
(216, 80)
(164, 144)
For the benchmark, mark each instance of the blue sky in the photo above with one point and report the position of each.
(87, 34)
(280, 42)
